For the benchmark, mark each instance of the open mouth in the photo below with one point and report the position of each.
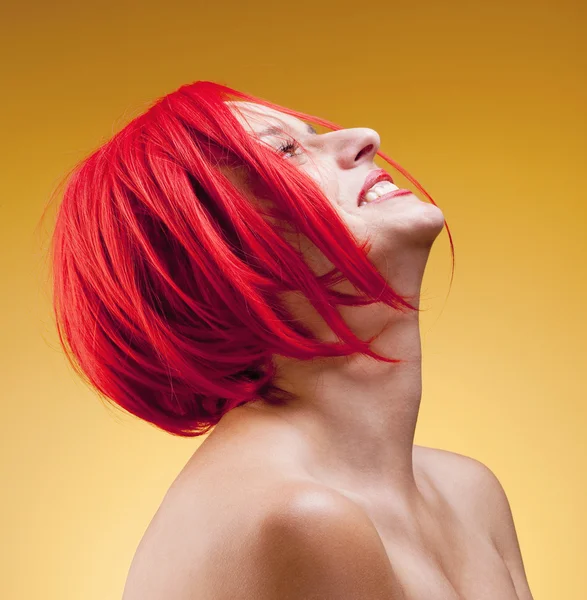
(392, 194)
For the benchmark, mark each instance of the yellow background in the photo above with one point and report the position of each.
(483, 102)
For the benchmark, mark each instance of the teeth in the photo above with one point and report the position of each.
(380, 188)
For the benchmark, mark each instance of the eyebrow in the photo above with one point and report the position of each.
(275, 130)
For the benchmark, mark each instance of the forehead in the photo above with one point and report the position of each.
(256, 117)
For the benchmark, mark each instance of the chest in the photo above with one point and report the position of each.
(446, 551)
(442, 551)
(463, 567)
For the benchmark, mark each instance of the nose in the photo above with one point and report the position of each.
(356, 146)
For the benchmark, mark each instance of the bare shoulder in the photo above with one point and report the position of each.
(465, 482)
(476, 490)
(291, 540)
(447, 458)
(316, 543)
(462, 471)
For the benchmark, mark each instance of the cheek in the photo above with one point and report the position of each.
(313, 257)
(324, 177)
(360, 228)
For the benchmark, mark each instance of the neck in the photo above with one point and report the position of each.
(357, 415)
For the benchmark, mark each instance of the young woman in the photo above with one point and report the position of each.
(220, 266)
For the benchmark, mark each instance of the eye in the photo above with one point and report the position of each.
(289, 147)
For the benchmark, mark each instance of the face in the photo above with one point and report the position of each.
(339, 162)
(401, 228)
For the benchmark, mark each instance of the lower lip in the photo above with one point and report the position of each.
(395, 193)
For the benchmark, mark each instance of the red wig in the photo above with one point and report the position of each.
(166, 277)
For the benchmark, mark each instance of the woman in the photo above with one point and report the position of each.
(211, 274)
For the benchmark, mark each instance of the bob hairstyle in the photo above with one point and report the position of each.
(166, 277)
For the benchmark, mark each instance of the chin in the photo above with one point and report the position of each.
(422, 214)
(433, 218)
(421, 226)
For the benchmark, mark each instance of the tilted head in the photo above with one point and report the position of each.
(179, 240)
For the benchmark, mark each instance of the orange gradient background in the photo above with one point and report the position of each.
(483, 102)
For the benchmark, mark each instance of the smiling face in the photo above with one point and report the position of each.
(339, 161)
(402, 229)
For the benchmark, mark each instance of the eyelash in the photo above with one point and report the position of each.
(290, 146)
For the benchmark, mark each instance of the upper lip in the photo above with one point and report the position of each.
(374, 176)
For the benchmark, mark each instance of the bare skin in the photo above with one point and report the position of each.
(273, 486)
(439, 546)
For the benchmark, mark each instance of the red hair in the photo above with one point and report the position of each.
(166, 277)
